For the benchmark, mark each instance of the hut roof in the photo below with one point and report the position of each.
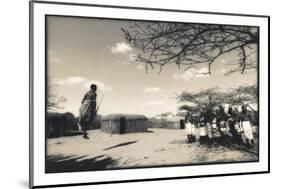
(127, 116)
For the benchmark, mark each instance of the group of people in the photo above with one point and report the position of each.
(215, 126)
(220, 127)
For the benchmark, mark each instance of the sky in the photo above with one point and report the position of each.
(82, 51)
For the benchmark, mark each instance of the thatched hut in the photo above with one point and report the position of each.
(60, 124)
(156, 123)
(124, 123)
(176, 122)
(96, 123)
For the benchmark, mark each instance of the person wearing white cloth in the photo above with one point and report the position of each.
(190, 131)
(203, 132)
(237, 138)
(189, 127)
(246, 119)
(222, 118)
(216, 132)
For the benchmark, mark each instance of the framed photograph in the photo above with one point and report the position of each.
(126, 94)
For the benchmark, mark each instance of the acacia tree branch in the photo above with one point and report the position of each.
(188, 44)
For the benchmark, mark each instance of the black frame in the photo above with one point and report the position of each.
(31, 79)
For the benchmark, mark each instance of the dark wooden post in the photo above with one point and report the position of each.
(122, 127)
(181, 124)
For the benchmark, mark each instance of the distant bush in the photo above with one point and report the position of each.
(157, 123)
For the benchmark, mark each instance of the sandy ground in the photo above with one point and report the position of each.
(154, 148)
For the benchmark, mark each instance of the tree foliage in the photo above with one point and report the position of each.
(54, 101)
(188, 44)
(213, 97)
(166, 114)
(247, 94)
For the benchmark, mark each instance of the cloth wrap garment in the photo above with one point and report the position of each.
(87, 109)
(246, 125)
(209, 130)
(203, 130)
(189, 129)
(238, 127)
(224, 128)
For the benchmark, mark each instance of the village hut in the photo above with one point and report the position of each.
(96, 123)
(124, 123)
(156, 123)
(176, 122)
(60, 124)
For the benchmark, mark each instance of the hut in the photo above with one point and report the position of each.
(176, 122)
(124, 123)
(96, 123)
(60, 124)
(156, 123)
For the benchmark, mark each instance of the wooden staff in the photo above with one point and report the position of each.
(99, 105)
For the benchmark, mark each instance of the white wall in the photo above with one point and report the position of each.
(14, 92)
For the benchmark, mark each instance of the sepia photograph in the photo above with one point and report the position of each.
(124, 93)
(134, 94)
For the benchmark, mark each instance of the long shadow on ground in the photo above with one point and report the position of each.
(60, 163)
(119, 145)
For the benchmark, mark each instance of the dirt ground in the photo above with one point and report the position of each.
(154, 148)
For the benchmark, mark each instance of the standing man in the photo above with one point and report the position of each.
(202, 126)
(234, 126)
(189, 127)
(246, 121)
(87, 110)
(222, 118)
(208, 120)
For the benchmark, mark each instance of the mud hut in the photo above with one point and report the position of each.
(175, 122)
(124, 123)
(96, 123)
(60, 124)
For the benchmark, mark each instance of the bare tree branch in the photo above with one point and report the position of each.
(53, 100)
(190, 44)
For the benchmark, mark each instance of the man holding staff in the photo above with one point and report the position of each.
(87, 110)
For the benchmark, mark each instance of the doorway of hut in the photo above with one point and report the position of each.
(122, 127)
(181, 124)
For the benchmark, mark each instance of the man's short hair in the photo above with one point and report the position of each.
(93, 87)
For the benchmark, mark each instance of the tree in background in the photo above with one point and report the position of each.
(247, 94)
(209, 98)
(189, 108)
(213, 97)
(54, 101)
(189, 44)
(166, 114)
